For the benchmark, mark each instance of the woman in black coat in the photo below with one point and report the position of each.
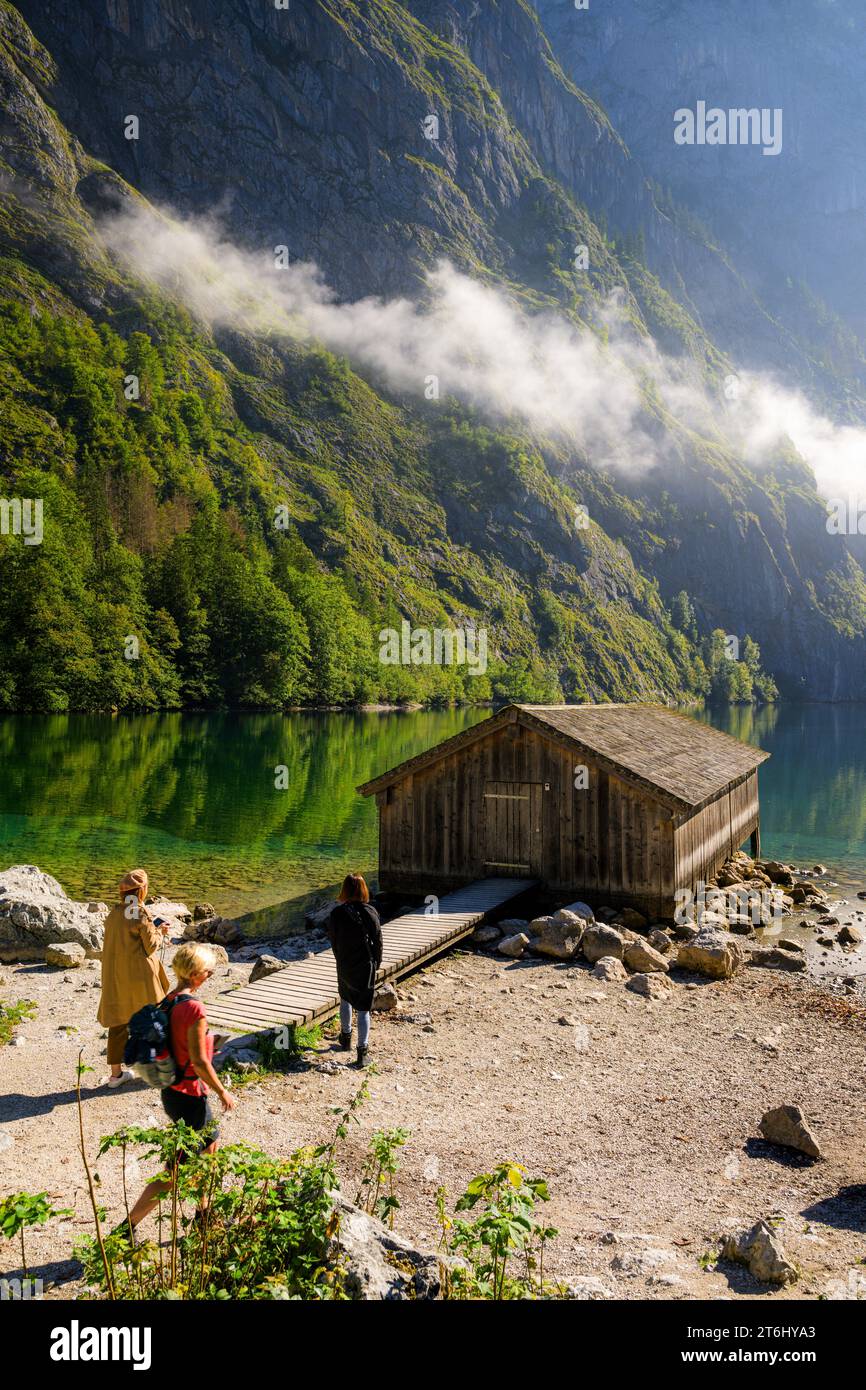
(356, 937)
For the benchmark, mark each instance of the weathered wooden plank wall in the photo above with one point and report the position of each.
(705, 840)
(511, 800)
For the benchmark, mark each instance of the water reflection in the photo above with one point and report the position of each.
(813, 789)
(193, 797)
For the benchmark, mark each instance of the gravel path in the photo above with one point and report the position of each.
(643, 1116)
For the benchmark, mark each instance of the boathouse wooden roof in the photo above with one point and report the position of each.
(683, 763)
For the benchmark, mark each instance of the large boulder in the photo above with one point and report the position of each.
(580, 910)
(660, 940)
(600, 940)
(509, 925)
(730, 875)
(640, 956)
(778, 873)
(787, 1125)
(67, 955)
(632, 919)
(222, 930)
(36, 913)
(558, 936)
(378, 1265)
(712, 952)
(684, 930)
(761, 1250)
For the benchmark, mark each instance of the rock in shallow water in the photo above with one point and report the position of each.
(777, 958)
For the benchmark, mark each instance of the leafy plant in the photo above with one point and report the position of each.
(376, 1193)
(502, 1230)
(281, 1051)
(13, 1014)
(235, 1224)
(232, 1224)
(23, 1209)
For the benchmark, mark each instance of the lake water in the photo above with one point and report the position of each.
(193, 797)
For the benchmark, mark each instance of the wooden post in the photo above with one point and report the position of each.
(755, 842)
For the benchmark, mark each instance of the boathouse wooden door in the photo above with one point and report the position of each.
(512, 828)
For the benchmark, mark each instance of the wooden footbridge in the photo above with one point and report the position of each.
(305, 991)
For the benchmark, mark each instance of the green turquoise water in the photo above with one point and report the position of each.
(813, 789)
(193, 797)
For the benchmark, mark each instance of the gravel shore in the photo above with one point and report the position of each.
(642, 1115)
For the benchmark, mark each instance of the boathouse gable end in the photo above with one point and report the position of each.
(622, 804)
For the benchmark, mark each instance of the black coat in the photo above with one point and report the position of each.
(356, 937)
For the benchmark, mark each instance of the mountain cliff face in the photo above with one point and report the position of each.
(792, 224)
(306, 127)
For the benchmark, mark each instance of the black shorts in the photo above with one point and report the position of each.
(194, 1111)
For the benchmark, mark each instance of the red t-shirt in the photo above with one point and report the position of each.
(183, 1016)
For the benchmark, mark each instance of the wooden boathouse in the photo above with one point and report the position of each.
(619, 804)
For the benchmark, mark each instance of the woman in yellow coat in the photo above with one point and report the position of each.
(132, 973)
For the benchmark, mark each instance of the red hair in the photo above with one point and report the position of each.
(354, 890)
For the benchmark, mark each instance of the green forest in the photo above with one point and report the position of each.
(172, 572)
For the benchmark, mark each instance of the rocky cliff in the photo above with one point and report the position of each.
(308, 127)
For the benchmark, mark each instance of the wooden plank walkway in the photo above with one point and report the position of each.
(306, 990)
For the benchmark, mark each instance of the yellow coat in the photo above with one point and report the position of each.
(132, 973)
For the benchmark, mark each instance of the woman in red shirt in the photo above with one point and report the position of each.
(192, 1048)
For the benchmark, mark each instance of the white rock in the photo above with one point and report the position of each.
(580, 910)
(66, 954)
(35, 913)
(655, 986)
(586, 1288)
(513, 946)
(385, 998)
(609, 968)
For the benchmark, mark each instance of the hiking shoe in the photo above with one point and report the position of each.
(114, 1081)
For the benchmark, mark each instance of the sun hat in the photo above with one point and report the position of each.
(134, 881)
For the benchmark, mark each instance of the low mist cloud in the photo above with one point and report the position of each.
(484, 349)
